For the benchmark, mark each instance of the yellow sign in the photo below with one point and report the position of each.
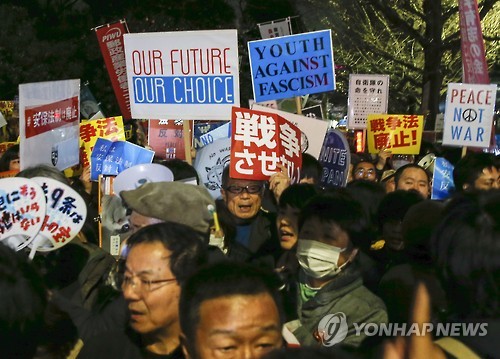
(110, 128)
(401, 134)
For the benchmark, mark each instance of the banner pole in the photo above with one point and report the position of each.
(187, 141)
(298, 103)
(464, 151)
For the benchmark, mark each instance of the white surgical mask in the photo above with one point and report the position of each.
(319, 260)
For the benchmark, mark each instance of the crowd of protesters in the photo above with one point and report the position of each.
(280, 270)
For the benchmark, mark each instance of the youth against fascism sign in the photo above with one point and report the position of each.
(183, 75)
(292, 65)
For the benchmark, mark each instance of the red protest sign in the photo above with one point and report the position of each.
(259, 142)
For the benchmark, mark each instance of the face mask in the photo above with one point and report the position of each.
(319, 260)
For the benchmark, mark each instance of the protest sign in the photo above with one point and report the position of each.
(65, 215)
(49, 123)
(315, 111)
(259, 142)
(202, 129)
(292, 65)
(210, 162)
(110, 158)
(335, 158)
(442, 179)
(313, 130)
(220, 132)
(110, 128)
(166, 138)
(275, 28)
(368, 94)
(401, 134)
(110, 37)
(22, 211)
(468, 115)
(183, 75)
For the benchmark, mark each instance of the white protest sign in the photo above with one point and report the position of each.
(22, 211)
(191, 75)
(49, 123)
(468, 115)
(65, 215)
(313, 130)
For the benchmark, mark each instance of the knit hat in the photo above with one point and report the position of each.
(173, 201)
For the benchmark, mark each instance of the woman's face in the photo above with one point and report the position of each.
(14, 165)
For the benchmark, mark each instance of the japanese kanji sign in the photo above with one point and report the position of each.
(166, 138)
(22, 211)
(49, 114)
(259, 142)
(313, 130)
(401, 134)
(112, 157)
(183, 75)
(110, 37)
(65, 215)
(468, 116)
(335, 158)
(442, 179)
(292, 65)
(367, 94)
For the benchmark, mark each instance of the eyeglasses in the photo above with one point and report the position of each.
(254, 188)
(361, 172)
(139, 284)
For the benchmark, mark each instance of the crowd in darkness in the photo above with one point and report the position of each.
(281, 270)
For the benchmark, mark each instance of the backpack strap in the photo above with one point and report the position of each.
(456, 348)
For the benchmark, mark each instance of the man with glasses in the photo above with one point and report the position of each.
(249, 231)
(365, 170)
(160, 258)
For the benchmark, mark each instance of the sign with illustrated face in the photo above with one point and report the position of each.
(65, 215)
(189, 75)
(290, 66)
(259, 142)
(22, 211)
(468, 116)
(401, 134)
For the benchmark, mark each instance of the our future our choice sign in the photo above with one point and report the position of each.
(289, 66)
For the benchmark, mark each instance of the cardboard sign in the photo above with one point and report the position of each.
(261, 140)
(468, 116)
(313, 130)
(401, 134)
(111, 158)
(292, 65)
(49, 123)
(335, 158)
(210, 162)
(22, 211)
(183, 75)
(367, 94)
(442, 179)
(166, 138)
(65, 215)
(110, 128)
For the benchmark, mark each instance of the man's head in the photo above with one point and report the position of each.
(242, 197)
(476, 171)
(412, 176)
(230, 310)
(160, 257)
(330, 226)
(177, 202)
(365, 170)
(311, 169)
